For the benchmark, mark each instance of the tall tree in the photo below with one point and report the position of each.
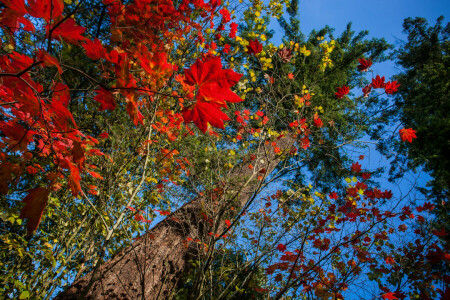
(422, 104)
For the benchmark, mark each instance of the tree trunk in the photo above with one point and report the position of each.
(153, 265)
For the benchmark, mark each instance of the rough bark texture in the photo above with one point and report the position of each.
(151, 267)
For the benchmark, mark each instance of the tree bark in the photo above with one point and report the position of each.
(152, 266)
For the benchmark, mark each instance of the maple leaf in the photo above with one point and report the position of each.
(69, 31)
(281, 247)
(364, 64)
(48, 60)
(96, 175)
(46, 9)
(106, 99)
(61, 93)
(94, 49)
(78, 154)
(74, 180)
(377, 82)
(366, 90)
(5, 176)
(213, 86)
(203, 113)
(285, 54)
(407, 134)
(356, 168)
(391, 87)
(35, 203)
(18, 137)
(254, 47)
(342, 91)
(389, 295)
(133, 111)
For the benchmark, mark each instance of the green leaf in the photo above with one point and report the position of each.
(24, 295)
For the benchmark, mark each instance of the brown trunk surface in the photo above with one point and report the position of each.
(152, 266)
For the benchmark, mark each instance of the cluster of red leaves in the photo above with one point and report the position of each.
(43, 126)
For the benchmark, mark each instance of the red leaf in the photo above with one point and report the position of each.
(378, 82)
(356, 168)
(203, 113)
(254, 47)
(281, 247)
(94, 49)
(213, 82)
(78, 154)
(74, 180)
(106, 99)
(35, 203)
(134, 113)
(45, 9)
(407, 134)
(342, 91)
(389, 295)
(391, 87)
(18, 137)
(48, 60)
(228, 223)
(96, 175)
(364, 64)
(69, 31)
(441, 233)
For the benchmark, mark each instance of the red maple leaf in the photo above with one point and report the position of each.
(69, 31)
(364, 64)
(46, 9)
(407, 134)
(389, 295)
(35, 202)
(356, 168)
(281, 247)
(48, 60)
(366, 90)
(203, 113)
(18, 137)
(391, 87)
(213, 85)
(254, 47)
(94, 49)
(106, 99)
(377, 82)
(342, 91)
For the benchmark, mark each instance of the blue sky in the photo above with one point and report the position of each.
(382, 18)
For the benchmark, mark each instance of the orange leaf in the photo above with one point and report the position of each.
(95, 174)
(74, 180)
(35, 203)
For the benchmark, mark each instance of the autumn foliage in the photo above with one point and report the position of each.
(112, 129)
